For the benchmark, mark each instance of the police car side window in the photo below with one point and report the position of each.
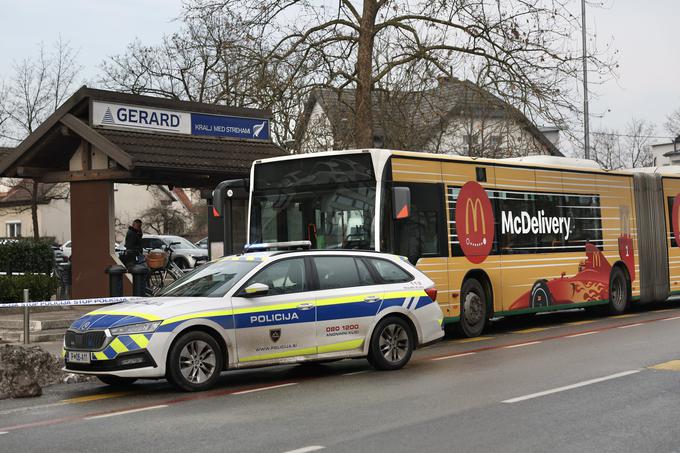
(390, 272)
(282, 277)
(338, 272)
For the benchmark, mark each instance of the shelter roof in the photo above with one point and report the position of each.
(135, 156)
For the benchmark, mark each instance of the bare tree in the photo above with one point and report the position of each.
(672, 124)
(631, 148)
(38, 86)
(522, 49)
(214, 59)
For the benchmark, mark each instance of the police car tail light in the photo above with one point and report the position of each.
(432, 293)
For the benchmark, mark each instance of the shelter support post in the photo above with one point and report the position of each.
(92, 237)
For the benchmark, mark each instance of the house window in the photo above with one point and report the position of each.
(13, 229)
(471, 140)
(495, 141)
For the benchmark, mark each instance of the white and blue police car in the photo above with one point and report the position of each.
(261, 308)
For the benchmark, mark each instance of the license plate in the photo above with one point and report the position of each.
(78, 357)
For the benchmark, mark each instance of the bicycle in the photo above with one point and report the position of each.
(163, 269)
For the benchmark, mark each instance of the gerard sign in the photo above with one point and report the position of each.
(141, 118)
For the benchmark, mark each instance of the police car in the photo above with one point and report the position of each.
(261, 308)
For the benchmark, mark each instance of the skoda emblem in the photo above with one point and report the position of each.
(275, 334)
(85, 325)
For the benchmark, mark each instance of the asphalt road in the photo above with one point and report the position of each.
(559, 382)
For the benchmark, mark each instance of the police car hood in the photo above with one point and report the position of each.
(144, 310)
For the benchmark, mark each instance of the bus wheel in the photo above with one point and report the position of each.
(618, 292)
(540, 295)
(473, 308)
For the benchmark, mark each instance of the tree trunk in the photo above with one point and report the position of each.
(34, 210)
(363, 120)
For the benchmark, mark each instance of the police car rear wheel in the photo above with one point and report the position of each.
(195, 362)
(391, 344)
(116, 381)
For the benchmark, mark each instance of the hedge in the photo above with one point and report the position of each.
(26, 256)
(40, 287)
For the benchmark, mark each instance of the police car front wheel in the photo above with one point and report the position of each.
(195, 362)
(391, 344)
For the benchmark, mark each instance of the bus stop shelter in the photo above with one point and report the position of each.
(98, 138)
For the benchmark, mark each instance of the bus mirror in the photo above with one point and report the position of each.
(401, 202)
(236, 189)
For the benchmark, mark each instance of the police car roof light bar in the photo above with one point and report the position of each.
(271, 246)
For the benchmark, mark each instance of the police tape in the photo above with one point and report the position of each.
(72, 302)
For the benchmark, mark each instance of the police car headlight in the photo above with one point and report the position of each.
(142, 327)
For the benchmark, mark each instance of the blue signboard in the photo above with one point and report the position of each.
(229, 126)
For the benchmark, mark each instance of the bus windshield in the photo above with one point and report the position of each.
(328, 201)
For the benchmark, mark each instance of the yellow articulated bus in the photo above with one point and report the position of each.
(498, 237)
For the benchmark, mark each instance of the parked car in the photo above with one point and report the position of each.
(257, 309)
(185, 254)
(203, 243)
(66, 250)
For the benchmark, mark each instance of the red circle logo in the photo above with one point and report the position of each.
(474, 222)
(675, 222)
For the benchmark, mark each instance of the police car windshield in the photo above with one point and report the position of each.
(212, 280)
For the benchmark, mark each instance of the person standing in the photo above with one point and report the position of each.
(133, 244)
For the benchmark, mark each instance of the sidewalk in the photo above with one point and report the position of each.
(45, 326)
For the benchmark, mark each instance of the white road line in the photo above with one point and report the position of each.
(671, 319)
(572, 386)
(306, 449)
(630, 325)
(3, 432)
(453, 356)
(243, 392)
(355, 372)
(131, 411)
(581, 334)
(520, 345)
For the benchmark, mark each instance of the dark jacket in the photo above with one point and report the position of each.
(133, 242)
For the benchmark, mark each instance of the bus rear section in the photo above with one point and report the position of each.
(536, 239)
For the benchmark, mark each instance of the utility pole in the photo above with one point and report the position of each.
(586, 118)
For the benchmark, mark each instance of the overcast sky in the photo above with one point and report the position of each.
(645, 33)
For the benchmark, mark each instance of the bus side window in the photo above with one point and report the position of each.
(423, 233)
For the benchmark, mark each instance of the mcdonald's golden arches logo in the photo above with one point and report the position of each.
(473, 210)
(474, 222)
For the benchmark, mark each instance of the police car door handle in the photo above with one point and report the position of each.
(305, 306)
(371, 299)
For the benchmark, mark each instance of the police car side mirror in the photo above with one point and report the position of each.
(401, 203)
(256, 289)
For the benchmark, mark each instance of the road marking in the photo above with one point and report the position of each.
(453, 356)
(533, 329)
(630, 325)
(624, 316)
(570, 387)
(580, 323)
(130, 411)
(582, 334)
(3, 432)
(673, 365)
(99, 396)
(470, 340)
(671, 319)
(520, 345)
(306, 449)
(355, 372)
(243, 392)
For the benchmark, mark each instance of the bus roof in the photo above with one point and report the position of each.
(540, 162)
